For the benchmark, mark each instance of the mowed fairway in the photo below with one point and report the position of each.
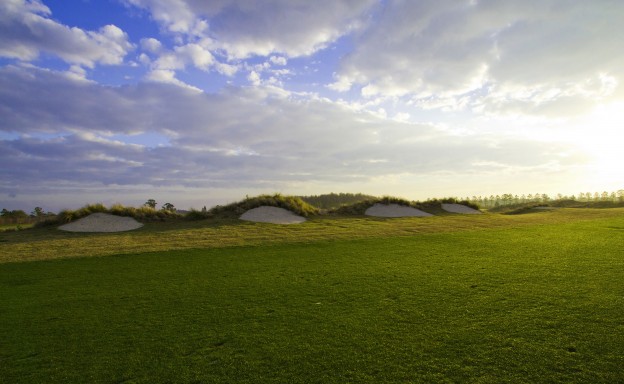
(536, 299)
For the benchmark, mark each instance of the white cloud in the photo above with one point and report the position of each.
(181, 56)
(168, 77)
(254, 78)
(254, 138)
(243, 28)
(278, 60)
(226, 69)
(77, 72)
(27, 30)
(541, 57)
(200, 57)
(151, 45)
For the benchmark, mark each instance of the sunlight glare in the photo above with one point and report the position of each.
(600, 137)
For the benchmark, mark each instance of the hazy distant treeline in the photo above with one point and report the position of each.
(20, 217)
(508, 199)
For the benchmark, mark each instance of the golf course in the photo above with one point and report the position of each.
(529, 298)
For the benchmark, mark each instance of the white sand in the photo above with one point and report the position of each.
(102, 222)
(394, 210)
(458, 208)
(274, 215)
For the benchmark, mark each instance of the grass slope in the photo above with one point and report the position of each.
(533, 302)
(50, 243)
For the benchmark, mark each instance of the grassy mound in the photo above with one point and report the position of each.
(433, 206)
(335, 200)
(140, 214)
(234, 210)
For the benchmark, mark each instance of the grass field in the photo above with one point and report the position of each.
(535, 298)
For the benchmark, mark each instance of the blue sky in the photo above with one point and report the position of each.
(201, 103)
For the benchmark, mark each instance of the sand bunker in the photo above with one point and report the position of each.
(102, 222)
(458, 208)
(274, 215)
(394, 210)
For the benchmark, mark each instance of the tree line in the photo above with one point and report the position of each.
(508, 199)
(18, 216)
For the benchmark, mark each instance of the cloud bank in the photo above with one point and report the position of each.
(307, 96)
(547, 57)
(28, 30)
(241, 136)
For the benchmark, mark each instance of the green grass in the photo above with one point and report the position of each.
(489, 299)
(50, 243)
(15, 227)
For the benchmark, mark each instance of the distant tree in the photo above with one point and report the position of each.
(15, 216)
(506, 198)
(150, 203)
(168, 207)
(37, 212)
(18, 214)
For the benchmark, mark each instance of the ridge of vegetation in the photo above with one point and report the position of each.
(234, 210)
(332, 203)
(143, 213)
(433, 206)
(335, 200)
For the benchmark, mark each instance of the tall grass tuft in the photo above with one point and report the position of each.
(291, 203)
(67, 215)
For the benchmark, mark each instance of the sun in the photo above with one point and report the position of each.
(601, 137)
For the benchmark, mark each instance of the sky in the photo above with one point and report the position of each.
(199, 103)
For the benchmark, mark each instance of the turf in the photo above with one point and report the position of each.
(540, 302)
(51, 243)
